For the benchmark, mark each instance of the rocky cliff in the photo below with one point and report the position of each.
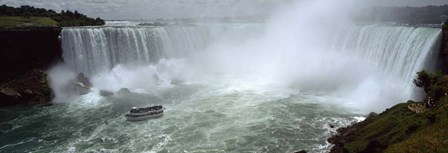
(25, 54)
(444, 48)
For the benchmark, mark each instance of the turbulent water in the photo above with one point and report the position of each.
(258, 95)
(197, 119)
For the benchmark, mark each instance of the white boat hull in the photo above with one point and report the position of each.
(142, 118)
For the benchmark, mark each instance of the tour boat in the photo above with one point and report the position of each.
(144, 113)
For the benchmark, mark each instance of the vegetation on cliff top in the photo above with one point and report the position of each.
(31, 16)
(445, 25)
(401, 129)
(14, 21)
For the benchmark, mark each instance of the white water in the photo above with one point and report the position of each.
(370, 66)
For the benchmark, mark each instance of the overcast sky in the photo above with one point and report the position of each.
(146, 9)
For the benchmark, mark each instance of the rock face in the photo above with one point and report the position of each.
(444, 50)
(30, 88)
(24, 55)
(23, 50)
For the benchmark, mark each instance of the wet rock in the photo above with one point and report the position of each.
(84, 80)
(77, 88)
(10, 92)
(345, 134)
(106, 93)
(29, 92)
(9, 97)
(301, 151)
(123, 91)
(30, 88)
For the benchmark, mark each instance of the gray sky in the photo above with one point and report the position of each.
(145, 9)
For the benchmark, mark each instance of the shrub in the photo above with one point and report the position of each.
(423, 80)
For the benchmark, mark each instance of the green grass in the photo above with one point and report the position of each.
(432, 138)
(16, 21)
(399, 130)
(390, 127)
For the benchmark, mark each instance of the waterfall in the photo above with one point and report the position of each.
(95, 49)
(399, 51)
(395, 50)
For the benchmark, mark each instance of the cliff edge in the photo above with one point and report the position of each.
(26, 53)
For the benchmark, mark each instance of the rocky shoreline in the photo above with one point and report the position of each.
(30, 88)
(346, 134)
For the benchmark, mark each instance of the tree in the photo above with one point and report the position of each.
(64, 18)
(445, 25)
(27, 15)
(423, 80)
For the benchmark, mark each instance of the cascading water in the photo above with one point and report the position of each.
(397, 52)
(92, 50)
(278, 86)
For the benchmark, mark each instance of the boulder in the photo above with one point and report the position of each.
(10, 92)
(124, 91)
(77, 88)
(9, 97)
(29, 92)
(84, 80)
(106, 93)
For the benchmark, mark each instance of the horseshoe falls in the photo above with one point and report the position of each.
(102, 48)
(393, 52)
(282, 85)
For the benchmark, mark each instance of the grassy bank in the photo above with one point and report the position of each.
(17, 21)
(29, 16)
(406, 127)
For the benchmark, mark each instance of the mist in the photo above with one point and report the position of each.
(291, 52)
